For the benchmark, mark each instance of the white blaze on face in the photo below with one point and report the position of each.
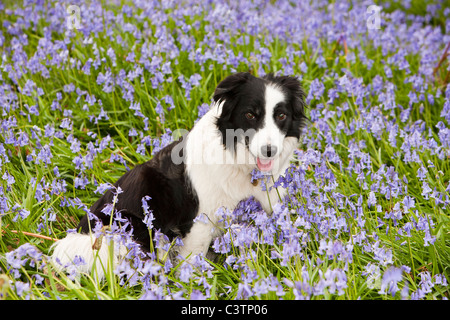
(269, 133)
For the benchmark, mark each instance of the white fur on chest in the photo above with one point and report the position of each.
(216, 177)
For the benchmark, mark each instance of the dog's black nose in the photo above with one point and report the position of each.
(269, 151)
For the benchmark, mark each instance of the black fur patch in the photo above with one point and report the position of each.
(173, 201)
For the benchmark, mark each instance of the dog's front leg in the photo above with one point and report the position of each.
(198, 240)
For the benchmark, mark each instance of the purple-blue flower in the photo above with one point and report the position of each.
(390, 279)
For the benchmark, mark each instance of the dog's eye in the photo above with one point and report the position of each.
(281, 116)
(250, 116)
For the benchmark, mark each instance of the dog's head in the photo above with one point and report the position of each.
(260, 113)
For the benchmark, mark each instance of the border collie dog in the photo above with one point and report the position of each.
(253, 123)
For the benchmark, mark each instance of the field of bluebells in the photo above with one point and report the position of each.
(88, 93)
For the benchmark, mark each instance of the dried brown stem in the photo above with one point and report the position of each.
(36, 235)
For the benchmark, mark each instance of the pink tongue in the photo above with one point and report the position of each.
(264, 164)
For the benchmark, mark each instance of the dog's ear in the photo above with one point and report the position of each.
(228, 93)
(226, 89)
(293, 88)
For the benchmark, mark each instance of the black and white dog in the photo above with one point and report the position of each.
(253, 123)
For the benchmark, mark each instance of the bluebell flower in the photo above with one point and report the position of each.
(80, 182)
(222, 244)
(45, 155)
(244, 291)
(125, 271)
(112, 55)
(426, 190)
(408, 203)
(22, 213)
(169, 100)
(381, 254)
(75, 146)
(261, 287)
(418, 294)
(202, 110)
(103, 187)
(445, 113)
(22, 289)
(148, 219)
(186, 271)
(28, 88)
(440, 279)
(150, 268)
(66, 124)
(421, 173)
(8, 178)
(197, 295)
(19, 257)
(333, 280)
(390, 279)
(428, 239)
(372, 200)
(160, 111)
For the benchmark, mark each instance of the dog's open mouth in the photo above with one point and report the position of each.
(264, 165)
